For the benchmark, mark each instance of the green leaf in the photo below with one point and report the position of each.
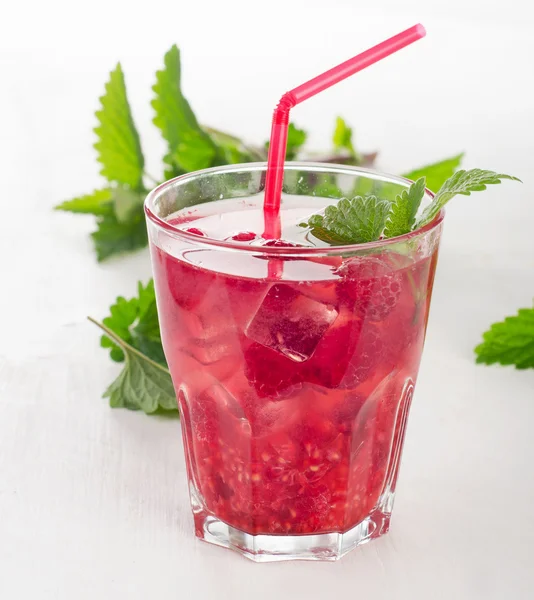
(136, 322)
(328, 236)
(342, 137)
(118, 145)
(462, 182)
(97, 203)
(436, 173)
(113, 237)
(189, 146)
(353, 221)
(193, 153)
(295, 140)
(510, 342)
(401, 217)
(127, 204)
(232, 150)
(142, 384)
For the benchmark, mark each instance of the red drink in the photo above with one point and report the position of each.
(294, 388)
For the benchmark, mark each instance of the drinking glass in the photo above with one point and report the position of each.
(294, 367)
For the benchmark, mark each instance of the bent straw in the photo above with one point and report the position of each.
(277, 147)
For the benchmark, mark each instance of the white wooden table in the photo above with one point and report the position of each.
(93, 501)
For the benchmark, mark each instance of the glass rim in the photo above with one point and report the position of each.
(273, 250)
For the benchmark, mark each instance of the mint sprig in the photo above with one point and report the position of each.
(401, 215)
(355, 221)
(509, 342)
(462, 182)
(368, 218)
(113, 237)
(143, 384)
(189, 146)
(99, 203)
(118, 207)
(118, 145)
(136, 322)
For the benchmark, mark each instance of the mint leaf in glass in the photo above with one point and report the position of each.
(510, 342)
(462, 182)
(355, 221)
(401, 216)
(118, 145)
(369, 218)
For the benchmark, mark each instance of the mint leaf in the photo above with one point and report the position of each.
(118, 145)
(120, 225)
(113, 237)
(462, 182)
(128, 204)
(232, 150)
(353, 221)
(401, 216)
(142, 384)
(436, 173)
(342, 138)
(189, 146)
(510, 342)
(97, 203)
(315, 224)
(136, 322)
(194, 152)
(295, 140)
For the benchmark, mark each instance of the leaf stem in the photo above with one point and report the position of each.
(125, 346)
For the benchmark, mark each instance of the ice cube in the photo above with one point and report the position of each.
(209, 331)
(290, 323)
(214, 413)
(214, 349)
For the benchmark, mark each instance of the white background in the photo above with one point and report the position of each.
(93, 502)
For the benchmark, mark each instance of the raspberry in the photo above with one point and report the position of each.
(244, 236)
(371, 284)
(346, 412)
(187, 284)
(204, 418)
(367, 355)
(346, 356)
(272, 374)
(280, 244)
(195, 231)
(334, 354)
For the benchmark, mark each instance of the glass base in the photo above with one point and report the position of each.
(271, 548)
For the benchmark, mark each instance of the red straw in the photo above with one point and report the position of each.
(277, 148)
